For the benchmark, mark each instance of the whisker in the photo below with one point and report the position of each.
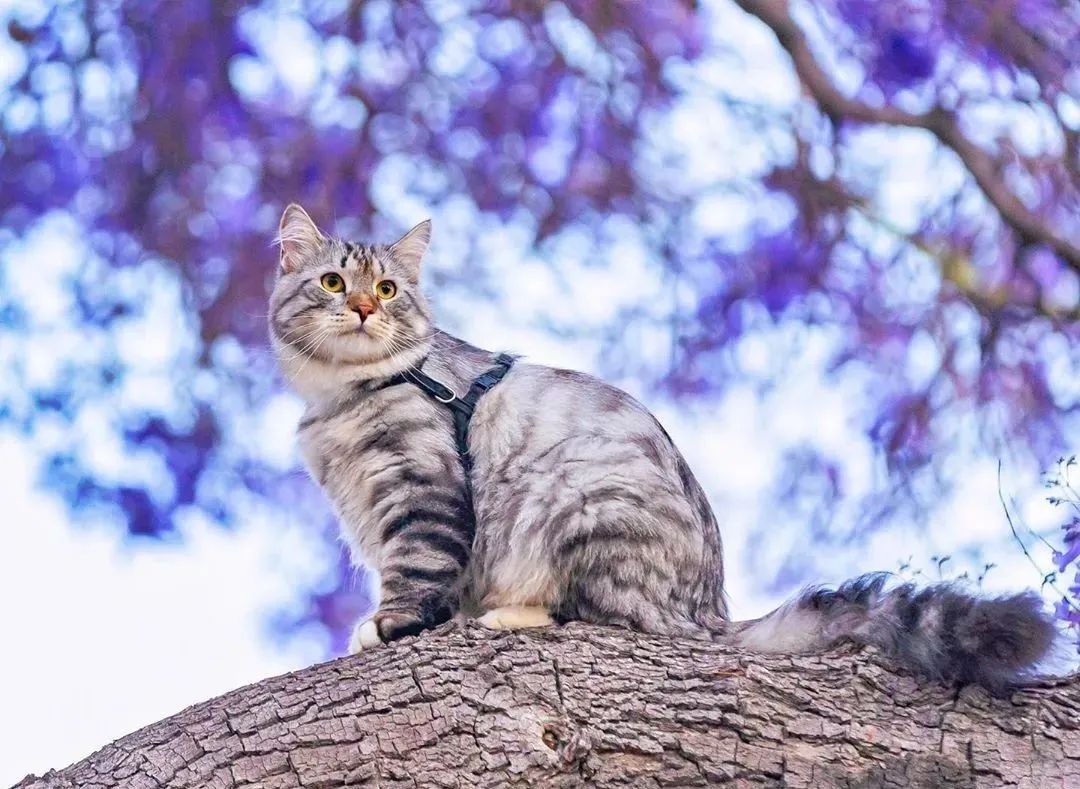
(306, 349)
(310, 342)
(322, 340)
(298, 342)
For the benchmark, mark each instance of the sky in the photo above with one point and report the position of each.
(104, 635)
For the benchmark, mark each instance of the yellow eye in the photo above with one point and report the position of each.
(385, 290)
(332, 283)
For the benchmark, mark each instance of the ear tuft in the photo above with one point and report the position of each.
(410, 248)
(298, 237)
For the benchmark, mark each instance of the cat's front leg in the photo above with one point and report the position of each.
(421, 571)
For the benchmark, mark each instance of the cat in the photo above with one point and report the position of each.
(572, 502)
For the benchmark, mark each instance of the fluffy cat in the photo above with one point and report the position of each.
(577, 506)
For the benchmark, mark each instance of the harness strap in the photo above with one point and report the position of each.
(461, 407)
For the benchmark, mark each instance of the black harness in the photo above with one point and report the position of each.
(461, 407)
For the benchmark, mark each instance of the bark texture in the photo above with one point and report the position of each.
(578, 705)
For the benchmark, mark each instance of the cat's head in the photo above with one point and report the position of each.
(345, 310)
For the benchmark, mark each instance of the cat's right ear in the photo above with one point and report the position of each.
(410, 248)
(298, 237)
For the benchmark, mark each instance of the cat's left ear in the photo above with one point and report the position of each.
(298, 237)
(410, 248)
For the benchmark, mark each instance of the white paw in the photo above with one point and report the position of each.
(516, 617)
(364, 636)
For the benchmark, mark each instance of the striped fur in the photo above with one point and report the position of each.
(939, 631)
(582, 508)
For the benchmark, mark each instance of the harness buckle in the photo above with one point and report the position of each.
(452, 397)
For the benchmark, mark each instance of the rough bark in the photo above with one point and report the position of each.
(463, 706)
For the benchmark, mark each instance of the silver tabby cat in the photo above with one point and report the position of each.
(581, 506)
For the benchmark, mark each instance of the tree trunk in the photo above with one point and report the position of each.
(463, 706)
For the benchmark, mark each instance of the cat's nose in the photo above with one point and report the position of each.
(362, 307)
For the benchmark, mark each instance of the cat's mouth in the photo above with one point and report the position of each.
(358, 327)
(364, 332)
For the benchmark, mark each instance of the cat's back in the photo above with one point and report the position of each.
(539, 417)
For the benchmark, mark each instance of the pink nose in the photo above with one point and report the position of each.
(362, 304)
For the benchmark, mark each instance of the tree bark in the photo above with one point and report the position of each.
(580, 705)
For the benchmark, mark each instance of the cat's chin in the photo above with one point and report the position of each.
(357, 347)
(362, 349)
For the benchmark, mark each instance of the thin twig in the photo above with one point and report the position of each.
(1016, 536)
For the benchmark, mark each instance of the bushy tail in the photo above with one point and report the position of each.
(939, 631)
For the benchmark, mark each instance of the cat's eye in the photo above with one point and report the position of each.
(332, 283)
(385, 289)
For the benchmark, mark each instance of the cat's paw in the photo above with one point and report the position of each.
(398, 624)
(364, 636)
(383, 628)
(516, 617)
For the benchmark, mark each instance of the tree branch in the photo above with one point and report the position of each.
(574, 705)
(940, 122)
(956, 269)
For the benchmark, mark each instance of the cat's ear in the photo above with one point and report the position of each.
(298, 237)
(410, 248)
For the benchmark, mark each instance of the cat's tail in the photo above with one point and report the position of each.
(939, 631)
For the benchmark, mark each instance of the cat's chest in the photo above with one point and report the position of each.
(320, 438)
(361, 452)
(341, 446)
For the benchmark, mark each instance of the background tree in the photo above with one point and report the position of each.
(901, 203)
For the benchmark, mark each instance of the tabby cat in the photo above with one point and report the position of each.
(576, 505)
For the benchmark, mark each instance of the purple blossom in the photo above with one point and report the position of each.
(904, 59)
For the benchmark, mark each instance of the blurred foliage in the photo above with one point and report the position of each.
(757, 154)
(1065, 493)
